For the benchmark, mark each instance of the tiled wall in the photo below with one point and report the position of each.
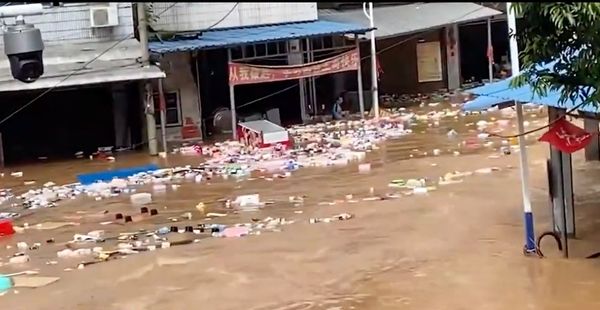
(198, 16)
(71, 24)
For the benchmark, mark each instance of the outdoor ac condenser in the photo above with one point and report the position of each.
(104, 15)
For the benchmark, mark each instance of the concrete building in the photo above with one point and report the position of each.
(93, 106)
(426, 46)
(195, 42)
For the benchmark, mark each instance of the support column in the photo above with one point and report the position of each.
(1, 152)
(563, 210)
(490, 51)
(302, 89)
(296, 57)
(313, 83)
(592, 151)
(163, 116)
(201, 120)
(149, 105)
(361, 99)
(453, 56)
(232, 102)
(530, 245)
(374, 82)
(150, 119)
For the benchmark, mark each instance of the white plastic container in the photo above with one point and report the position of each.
(364, 168)
(247, 200)
(159, 188)
(141, 198)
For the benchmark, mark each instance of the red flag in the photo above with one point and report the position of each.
(566, 136)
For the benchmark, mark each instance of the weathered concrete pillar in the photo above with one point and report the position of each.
(592, 151)
(453, 56)
(295, 57)
(561, 182)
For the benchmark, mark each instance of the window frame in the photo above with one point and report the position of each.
(156, 99)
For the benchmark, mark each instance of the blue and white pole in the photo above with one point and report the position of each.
(530, 246)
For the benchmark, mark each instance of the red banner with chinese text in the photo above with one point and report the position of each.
(240, 74)
(566, 136)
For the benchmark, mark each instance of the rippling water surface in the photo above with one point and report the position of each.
(455, 248)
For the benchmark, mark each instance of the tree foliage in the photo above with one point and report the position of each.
(565, 36)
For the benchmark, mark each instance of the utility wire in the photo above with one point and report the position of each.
(224, 17)
(362, 59)
(77, 70)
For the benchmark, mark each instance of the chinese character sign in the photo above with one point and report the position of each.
(240, 74)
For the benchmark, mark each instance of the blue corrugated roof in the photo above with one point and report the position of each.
(240, 36)
(501, 91)
(482, 103)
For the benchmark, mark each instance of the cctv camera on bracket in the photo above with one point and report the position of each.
(23, 44)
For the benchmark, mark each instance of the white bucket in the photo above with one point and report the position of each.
(364, 168)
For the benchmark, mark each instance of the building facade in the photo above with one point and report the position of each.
(92, 64)
(196, 81)
(424, 46)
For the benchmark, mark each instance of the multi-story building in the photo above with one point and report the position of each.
(427, 46)
(92, 64)
(195, 42)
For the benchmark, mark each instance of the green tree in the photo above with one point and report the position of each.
(566, 35)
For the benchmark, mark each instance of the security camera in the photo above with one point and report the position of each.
(23, 44)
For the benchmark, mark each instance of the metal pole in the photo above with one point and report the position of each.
(528, 214)
(150, 120)
(308, 81)
(199, 96)
(361, 100)
(313, 81)
(232, 103)
(374, 90)
(163, 115)
(565, 234)
(490, 51)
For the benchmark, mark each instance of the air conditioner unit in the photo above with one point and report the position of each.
(104, 16)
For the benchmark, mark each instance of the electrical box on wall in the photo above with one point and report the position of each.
(104, 15)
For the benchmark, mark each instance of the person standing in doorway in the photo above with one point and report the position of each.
(336, 110)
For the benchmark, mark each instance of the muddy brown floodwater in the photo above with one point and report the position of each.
(458, 247)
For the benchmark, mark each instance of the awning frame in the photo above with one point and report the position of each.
(357, 30)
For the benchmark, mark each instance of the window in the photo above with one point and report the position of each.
(173, 108)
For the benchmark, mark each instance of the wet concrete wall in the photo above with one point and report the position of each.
(180, 81)
(399, 63)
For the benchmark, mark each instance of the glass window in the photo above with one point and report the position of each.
(173, 109)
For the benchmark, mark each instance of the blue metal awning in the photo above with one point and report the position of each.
(261, 34)
(492, 94)
(482, 103)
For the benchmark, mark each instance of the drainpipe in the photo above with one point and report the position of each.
(148, 101)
